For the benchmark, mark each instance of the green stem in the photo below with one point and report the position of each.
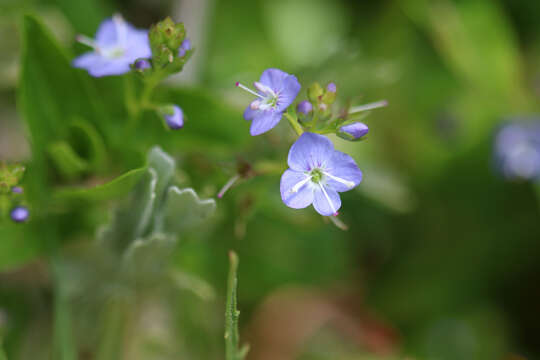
(294, 124)
(111, 339)
(232, 350)
(64, 344)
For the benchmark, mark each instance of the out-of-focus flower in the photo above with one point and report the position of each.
(317, 174)
(304, 107)
(517, 151)
(354, 131)
(276, 90)
(142, 64)
(19, 214)
(17, 190)
(331, 87)
(117, 45)
(184, 48)
(174, 116)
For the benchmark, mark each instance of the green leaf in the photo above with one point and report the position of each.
(164, 167)
(66, 160)
(183, 210)
(145, 258)
(51, 93)
(116, 188)
(131, 220)
(232, 339)
(90, 142)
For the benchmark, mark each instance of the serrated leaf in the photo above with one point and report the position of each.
(130, 221)
(145, 258)
(184, 210)
(164, 166)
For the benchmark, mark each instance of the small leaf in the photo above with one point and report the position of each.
(184, 210)
(68, 163)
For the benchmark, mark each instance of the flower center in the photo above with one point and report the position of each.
(316, 175)
(268, 98)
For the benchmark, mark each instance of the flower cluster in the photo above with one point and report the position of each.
(11, 194)
(119, 48)
(317, 172)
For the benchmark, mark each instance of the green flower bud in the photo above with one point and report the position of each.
(314, 92)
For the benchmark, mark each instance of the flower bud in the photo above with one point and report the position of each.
(314, 91)
(19, 214)
(304, 107)
(174, 116)
(330, 94)
(142, 64)
(184, 48)
(354, 131)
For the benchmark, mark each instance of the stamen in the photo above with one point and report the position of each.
(264, 89)
(370, 106)
(228, 185)
(249, 90)
(255, 104)
(347, 183)
(85, 40)
(301, 183)
(334, 211)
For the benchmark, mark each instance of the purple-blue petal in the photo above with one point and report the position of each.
(285, 85)
(326, 205)
(176, 120)
(344, 167)
(299, 199)
(264, 121)
(19, 214)
(356, 130)
(310, 151)
(304, 107)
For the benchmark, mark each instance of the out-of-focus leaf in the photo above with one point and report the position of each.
(85, 135)
(145, 258)
(66, 160)
(132, 218)
(51, 92)
(18, 243)
(164, 167)
(85, 16)
(116, 188)
(184, 210)
(210, 123)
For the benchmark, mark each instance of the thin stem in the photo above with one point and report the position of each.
(232, 349)
(294, 124)
(370, 106)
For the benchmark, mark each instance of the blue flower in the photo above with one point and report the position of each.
(19, 214)
(317, 174)
(354, 131)
(517, 151)
(276, 90)
(184, 48)
(117, 45)
(175, 118)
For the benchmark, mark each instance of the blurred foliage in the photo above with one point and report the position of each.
(439, 246)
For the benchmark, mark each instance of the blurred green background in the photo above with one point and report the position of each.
(441, 257)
